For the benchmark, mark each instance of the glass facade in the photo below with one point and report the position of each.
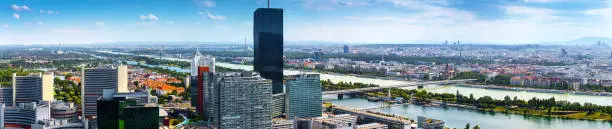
(244, 102)
(268, 45)
(304, 96)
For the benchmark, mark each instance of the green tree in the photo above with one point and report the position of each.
(476, 127)
(467, 126)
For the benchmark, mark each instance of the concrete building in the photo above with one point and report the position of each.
(24, 115)
(95, 80)
(334, 121)
(122, 79)
(200, 60)
(282, 124)
(244, 101)
(28, 88)
(47, 86)
(371, 126)
(304, 96)
(64, 111)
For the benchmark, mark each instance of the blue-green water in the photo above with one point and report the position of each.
(457, 118)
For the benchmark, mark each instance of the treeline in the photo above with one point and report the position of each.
(58, 64)
(504, 80)
(153, 61)
(330, 86)
(6, 74)
(487, 102)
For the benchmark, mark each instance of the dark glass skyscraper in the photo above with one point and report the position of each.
(268, 46)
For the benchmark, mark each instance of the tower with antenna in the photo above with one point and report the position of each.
(59, 49)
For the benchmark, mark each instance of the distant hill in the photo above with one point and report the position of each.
(584, 41)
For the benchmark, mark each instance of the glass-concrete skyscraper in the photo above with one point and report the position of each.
(95, 81)
(243, 102)
(304, 96)
(268, 45)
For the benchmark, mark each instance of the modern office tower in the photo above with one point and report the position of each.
(64, 111)
(346, 49)
(244, 102)
(27, 88)
(268, 45)
(47, 86)
(24, 115)
(304, 96)
(210, 97)
(95, 81)
(202, 60)
(124, 112)
(203, 75)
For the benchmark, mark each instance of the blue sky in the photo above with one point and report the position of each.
(363, 21)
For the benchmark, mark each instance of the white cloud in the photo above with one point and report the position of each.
(530, 12)
(542, 1)
(352, 17)
(20, 8)
(603, 12)
(48, 11)
(6, 25)
(170, 22)
(214, 17)
(40, 23)
(72, 31)
(149, 17)
(197, 23)
(209, 3)
(100, 23)
(437, 21)
(16, 16)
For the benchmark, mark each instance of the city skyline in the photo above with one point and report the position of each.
(368, 21)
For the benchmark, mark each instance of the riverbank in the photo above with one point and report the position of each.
(536, 90)
(534, 107)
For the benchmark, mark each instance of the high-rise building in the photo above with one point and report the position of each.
(268, 45)
(27, 88)
(121, 113)
(243, 102)
(135, 110)
(95, 81)
(346, 49)
(202, 60)
(304, 96)
(203, 84)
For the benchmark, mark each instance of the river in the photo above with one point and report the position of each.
(457, 118)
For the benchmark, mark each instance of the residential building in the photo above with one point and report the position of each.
(304, 96)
